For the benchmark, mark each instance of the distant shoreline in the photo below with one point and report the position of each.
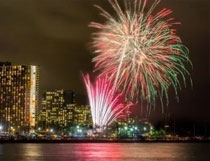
(103, 141)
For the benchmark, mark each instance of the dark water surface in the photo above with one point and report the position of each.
(106, 152)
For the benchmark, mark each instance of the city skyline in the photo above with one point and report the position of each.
(104, 80)
(60, 47)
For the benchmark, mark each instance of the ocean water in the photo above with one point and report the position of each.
(106, 152)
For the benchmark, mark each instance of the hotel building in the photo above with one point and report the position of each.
(19, 88)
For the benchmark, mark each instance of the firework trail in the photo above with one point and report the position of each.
(140, 51)
(105, 105)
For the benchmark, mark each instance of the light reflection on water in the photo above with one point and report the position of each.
(105, 152)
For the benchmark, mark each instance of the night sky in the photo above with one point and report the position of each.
(54, 35)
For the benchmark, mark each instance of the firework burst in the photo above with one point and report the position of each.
(139, 50)
(106, 106)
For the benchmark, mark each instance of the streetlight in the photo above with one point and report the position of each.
(1, 127)
(145, 128)
(51, 130)
(79, 130)
(12, 129)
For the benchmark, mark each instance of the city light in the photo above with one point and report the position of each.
(138, 60)
(60, 102)
(12, 129)
(79, 130)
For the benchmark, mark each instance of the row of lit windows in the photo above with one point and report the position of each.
(15, 94)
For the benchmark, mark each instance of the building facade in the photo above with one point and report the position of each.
(55, 105)
(19, 88)
(59, 111)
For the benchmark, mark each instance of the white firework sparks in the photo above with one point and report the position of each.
(106, 106)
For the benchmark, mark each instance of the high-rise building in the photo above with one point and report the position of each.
(82, 115)
(52, 102)
(55, 105)
(19, 88)
(59, 111)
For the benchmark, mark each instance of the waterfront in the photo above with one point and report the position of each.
(106, 152)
